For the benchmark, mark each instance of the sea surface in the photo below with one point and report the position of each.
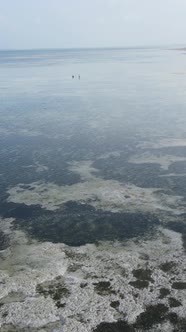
(93, 190)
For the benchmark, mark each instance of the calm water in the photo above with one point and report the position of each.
(133, 89)
(100, 158)
(125, 98)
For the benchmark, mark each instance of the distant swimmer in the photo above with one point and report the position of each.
(79, 77)
(72, 76)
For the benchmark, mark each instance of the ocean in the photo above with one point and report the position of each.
(93, 190)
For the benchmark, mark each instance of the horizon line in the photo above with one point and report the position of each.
(92, 47)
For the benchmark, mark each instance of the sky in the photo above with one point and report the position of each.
(29, 24)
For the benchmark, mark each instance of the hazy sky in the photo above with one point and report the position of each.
(91, 23)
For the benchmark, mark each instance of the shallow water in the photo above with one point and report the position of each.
(85, 164)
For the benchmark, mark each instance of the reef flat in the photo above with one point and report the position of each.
(93, 193)
(107, 252)
(79, 288)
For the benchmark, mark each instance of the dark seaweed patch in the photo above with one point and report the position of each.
(115, 304)
(144, 256)
(83, 285)
(174, 303)
(173, 317)
(56, 289)
(168, 266)
(20, 211)
(5, 314)
(103, 288)
(21, 158)
(4, 241)
(60, 305)
(179, 285)
(180, 227)
(143, 274)
(78, 224)
(178, 323)
(119, 326)
(74, 267)
(163, 293)
(152, 315)
(140, 284)
(181, 326)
